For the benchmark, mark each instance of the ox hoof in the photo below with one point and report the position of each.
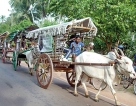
(118, 104)
(86, 96)
(96, 100)
(76, 95)
(31, 73)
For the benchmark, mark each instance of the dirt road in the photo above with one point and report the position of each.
(125, 96)
(18, 88)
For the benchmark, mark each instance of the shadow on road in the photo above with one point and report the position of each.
(80, 90)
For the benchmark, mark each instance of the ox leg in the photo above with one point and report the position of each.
(18, 62)
(96, 96)
(30, 68)
(31, 71)
(83, 80)
(78, 74)
(113, 93)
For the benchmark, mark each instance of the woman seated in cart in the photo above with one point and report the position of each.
(10, 45)
(67, 49)
(24, 45)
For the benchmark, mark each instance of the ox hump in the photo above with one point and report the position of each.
(91, 57)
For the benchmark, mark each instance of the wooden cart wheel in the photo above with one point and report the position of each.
(134, 86)
(44, 69)
(126, 82)
(3, 55)
(3, 59)
(71, 78)
(14, 60)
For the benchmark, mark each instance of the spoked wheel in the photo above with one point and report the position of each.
(44, 70)
(97, 82)
(126, 82)
(3, 59)
(3, 56)
(71, 78)
(134, 86)
(14, 60)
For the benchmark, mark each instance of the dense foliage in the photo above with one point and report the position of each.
(115, 19)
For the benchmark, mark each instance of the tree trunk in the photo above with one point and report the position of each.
(43, 10)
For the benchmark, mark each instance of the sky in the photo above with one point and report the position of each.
(4, 7)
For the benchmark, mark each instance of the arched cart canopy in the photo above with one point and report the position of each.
(11, 36)
(81, 26)
(24, 32)
(4, 35)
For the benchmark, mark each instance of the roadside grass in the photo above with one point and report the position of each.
(130, 89)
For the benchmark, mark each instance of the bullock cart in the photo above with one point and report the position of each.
(49, 60)
(8, 47)
(2, 37)
(20, 39)
(1, 44)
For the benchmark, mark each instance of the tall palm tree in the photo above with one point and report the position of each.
(23, 6)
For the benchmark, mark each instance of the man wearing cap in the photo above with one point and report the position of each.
(112, 53)
(89, 47)
(75, 48)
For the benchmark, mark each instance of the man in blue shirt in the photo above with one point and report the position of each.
(76, 47)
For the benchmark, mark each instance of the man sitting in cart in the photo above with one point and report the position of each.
(76, 47)
(90, 47)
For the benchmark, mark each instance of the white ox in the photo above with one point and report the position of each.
(31, 57)
(106, 73)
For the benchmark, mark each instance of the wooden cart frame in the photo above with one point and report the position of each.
(4, 47)
(18, 55)
(49, 62)
(8, 52)
(2, 37)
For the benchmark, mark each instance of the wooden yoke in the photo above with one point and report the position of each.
(85, 64)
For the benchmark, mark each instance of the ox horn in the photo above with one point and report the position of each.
(122, 54)
(117, 61)
(116, 53)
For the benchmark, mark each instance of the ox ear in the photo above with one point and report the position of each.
(117, 61)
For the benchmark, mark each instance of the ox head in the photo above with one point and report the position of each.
(125, 66)
(35, 50)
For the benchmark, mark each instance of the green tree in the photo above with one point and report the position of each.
(21, 25)
(21, 9)
(30, 9)
(4, 27)
(113, 18)
(48, 23)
